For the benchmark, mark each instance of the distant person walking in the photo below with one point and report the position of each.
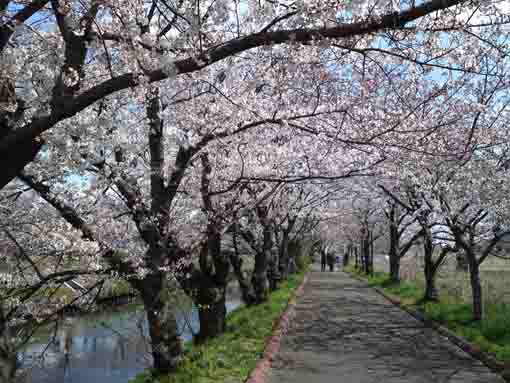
(323, 260)
(331, 261)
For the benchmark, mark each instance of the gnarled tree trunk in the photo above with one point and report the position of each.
(284, 255)
(393, 253)
(274, 274)
(429, 271)
(247, 293)
(166, 346)
(365, 251)
(8, 357)
(394, 268)
(212, 312)
(476, 288)
(462, 262)
(259, 278)
(212, 289)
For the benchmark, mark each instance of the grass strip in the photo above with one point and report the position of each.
(231, 357)
(491, 335)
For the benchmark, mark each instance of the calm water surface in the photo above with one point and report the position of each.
(110, 347)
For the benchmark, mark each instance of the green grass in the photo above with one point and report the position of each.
(232, 356)
(116, 288)
(491, 335)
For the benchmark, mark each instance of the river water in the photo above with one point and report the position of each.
(109, 347)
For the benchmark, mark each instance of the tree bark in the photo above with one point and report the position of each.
(274, 272)
(247, 293)
(16, 160)
(8, 367)
(166, 346)
(284, 255)
(394, 269)
(429, 271)
(212, 315)
(430, 285)
(8, 357)
(208, 291)
(476, 288)
(431, 293)
(393, 253)
(259, 278)
(464, 237)
(462, 262)
(366, 252)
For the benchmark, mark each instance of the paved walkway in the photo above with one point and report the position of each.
(344, 332)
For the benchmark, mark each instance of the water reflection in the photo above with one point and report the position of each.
(110, 347)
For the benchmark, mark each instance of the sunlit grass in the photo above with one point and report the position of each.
(232, 356)
(492, 334)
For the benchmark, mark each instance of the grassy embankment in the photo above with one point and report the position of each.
(232, 356)
(491, 335)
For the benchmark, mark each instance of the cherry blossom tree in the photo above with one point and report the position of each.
(160, 110)
(41, 254)
(476, 216)
(451, 186)
(60, 58)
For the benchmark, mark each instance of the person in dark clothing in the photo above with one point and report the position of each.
(331, 261)
(323, 260)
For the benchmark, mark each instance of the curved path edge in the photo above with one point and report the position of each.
(260, 373)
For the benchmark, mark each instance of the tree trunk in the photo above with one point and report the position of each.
(164, 335)
(462, 262)
(366, 253)
(430, 294)
(259, 278)
(476, 288)
(274, 272)
(211, 286)
(22, 149)
(8, 359)
(429, 271)
(212, 316)
(393, 254)
(371, 254)
(284, 255)
(394, 268)
(247, 293)
(8, 367)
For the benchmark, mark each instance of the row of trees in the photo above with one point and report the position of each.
(460, 209)
(258, 223)
(168, 142)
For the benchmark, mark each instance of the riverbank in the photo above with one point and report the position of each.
(488, 340)
(232, 357)
(108, 346)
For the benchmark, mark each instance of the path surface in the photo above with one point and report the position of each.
(345, 332)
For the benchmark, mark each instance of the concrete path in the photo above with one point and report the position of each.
(344, 332)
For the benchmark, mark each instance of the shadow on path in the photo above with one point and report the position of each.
(344, 331)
